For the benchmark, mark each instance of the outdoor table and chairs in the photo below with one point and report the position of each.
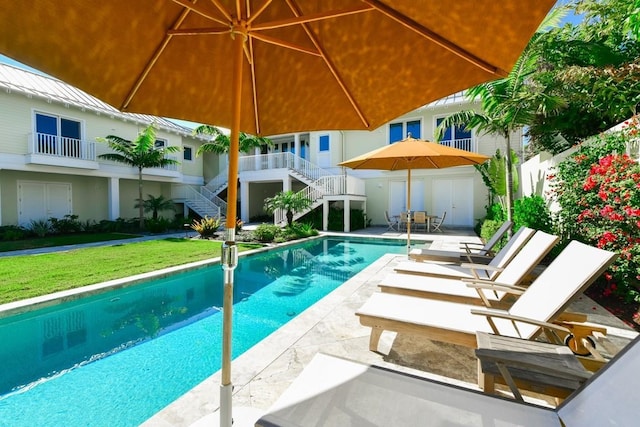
(419, 221)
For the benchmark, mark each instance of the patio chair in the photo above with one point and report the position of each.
(335, 391)
(577, 266)
(437, 224)
(419, 221)
(391, 223)
(483, 254)
(471, 271)
(402, 221)
(490, 293)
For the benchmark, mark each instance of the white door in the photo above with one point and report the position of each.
(417, 195)
(454, 196)
(41, 200)
(397, 197)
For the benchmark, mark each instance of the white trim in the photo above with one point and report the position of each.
(35, 110)
(444, 116)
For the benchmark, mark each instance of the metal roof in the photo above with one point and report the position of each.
(28, 83)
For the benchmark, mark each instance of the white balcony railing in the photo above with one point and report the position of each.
(59, 146)
(467, 144)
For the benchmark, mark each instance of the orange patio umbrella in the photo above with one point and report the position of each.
(411, 153)
(269, 67)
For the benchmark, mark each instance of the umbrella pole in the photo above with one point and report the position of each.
(229, 249)
(408, 211)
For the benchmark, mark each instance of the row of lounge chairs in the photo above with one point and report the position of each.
(452, 303)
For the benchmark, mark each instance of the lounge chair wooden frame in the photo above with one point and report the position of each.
(490, 293)
(471, 253)
(544, 302)
(469, 270)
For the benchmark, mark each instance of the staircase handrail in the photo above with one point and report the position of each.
(209, 195)
(187, 192)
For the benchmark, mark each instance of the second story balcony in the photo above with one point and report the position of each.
(54, 150)
(467, 144)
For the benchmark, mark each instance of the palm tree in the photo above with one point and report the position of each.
(220, 142)
(508, 104)
(288, 201)
(141, 153)
(156, 204)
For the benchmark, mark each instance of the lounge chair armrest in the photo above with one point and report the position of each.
(485, 267)
(493, 286)
(471, 282)
(515, 359)
(506, 315)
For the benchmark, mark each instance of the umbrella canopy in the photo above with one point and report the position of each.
(411, 153)
(269, 66)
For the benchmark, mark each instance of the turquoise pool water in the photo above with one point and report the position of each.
(117, 358)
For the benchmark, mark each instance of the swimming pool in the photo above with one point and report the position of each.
(119, 357)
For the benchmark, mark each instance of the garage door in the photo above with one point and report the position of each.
(42, 200)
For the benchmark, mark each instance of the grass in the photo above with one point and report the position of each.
(28, 276)
(70, 239)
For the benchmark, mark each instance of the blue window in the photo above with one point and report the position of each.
(324, 143)
(400, 130)
(456, 136)
(187, 153)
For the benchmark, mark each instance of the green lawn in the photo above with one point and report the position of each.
(70, 239)
(28, 276)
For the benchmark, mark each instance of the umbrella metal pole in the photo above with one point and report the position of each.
(229, 249)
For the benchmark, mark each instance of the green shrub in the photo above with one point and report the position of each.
(267, 232)
(12, 233)
(532, 212)
(40, 227)
(489, 228)
(207, 226)
(157, 225)
(66, 225)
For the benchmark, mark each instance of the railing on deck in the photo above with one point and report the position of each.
(59, 146)
(467, 144)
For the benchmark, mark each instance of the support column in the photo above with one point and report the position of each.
(286, 184)
(347, 216)
(256, 153)
(297, 151)
(244, 201)
(113, 185)
(325, 215)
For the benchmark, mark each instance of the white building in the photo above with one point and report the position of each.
(49, 165)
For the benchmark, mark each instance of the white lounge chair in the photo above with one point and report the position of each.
(544, 301)
(470, 253)
(332, 391)
(490, 293)
(392, 224)
(471, 271)
(437, 224)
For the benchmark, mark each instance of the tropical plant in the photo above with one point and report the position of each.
(594, 66)
(508, 104)
(220, 141)
(141, 153)
(156, 204)
(206, 226)
(598, 191)
(495, 178)
(40, 227)
(288, 201)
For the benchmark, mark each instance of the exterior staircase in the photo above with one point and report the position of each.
(199, 200)
(320, 182)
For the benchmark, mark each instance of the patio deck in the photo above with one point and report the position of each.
(330, 326)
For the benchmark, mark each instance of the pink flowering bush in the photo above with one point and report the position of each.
(598, 189)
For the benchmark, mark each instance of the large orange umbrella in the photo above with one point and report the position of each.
(411, 154)
(269, 66)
